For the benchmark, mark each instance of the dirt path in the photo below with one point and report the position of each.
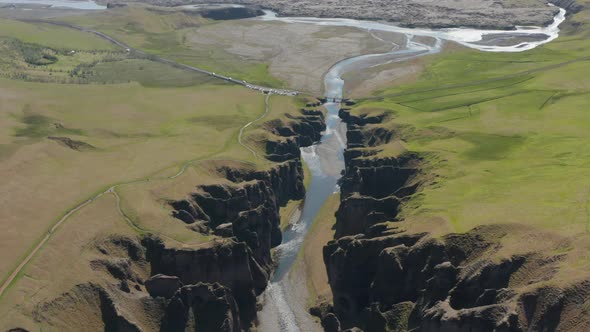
(266, 106)
(46, 238)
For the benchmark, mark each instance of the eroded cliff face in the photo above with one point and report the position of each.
(293, 133)
(246, 208)
(385, 278)
(372, 188)
(212, 301)
(230, 264)
(149, 284)
(414, 282)
(142, 285)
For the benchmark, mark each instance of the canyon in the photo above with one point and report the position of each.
(394, 263)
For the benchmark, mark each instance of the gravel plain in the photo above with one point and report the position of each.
(488, 14)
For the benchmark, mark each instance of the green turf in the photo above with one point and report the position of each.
(148, 73)
(504, 133)
(52, 36)
(164, 33)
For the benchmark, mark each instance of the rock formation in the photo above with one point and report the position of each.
(384, 278)
(147, 284)
(294, 133)
(202, 307)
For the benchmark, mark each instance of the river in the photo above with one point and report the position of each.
(285, 308)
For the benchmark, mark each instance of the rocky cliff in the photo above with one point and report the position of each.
(372, 188)
(293, 133)
(229, 264)
(385, 278)
(142, 285)
(244, 210)
(414, 282)
(150, 284)
(572, 6)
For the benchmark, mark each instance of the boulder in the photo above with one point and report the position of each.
(330, 323)
(162, 285)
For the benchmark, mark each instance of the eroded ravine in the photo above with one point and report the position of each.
(282, 308)
(326, 162)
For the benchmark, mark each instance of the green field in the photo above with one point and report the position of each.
(52, 36)
(148, 130)
(83, 120)
(504, 141)
(165, 32)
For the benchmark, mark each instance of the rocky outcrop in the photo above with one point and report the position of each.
(444, 284)
(202, 307)
(572, 6)
(186, 298)
(91, 299)
(352, 264)
(231, 264)
(250, 203)
(357, 214)
(161, 285)
(72, 144)
(372, 189)
(293, 133)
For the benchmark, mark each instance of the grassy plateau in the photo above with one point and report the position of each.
(504, 141)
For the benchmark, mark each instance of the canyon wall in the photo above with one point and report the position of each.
(245, 213)
(385, 278)
(153, 284)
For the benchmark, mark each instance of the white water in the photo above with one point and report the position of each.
(83, 4)
(283, 311)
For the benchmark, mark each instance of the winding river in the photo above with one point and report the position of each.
(284, 309)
